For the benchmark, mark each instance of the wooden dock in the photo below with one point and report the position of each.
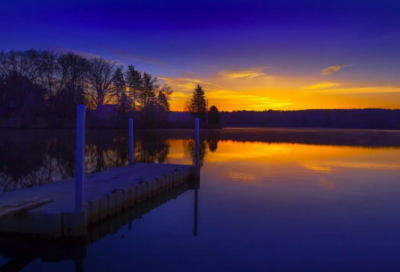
(23, 249)
(105, 194)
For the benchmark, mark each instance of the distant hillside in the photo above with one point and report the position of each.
(357, 118)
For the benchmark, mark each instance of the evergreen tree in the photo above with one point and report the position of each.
(162, 108)
(162, 102)
(198, 103)
(120, 95)
(134, 81)
(163, 98)
(119, 84)
(147, 94)
(147, 99)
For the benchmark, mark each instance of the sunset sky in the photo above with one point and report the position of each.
(247, 54)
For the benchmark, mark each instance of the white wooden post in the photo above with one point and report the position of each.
(80, 153)
(130, 141)
(197, 141)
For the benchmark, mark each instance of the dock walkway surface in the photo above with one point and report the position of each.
(22, 249)
(105, 194)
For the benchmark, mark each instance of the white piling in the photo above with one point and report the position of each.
(197, 141)
(130, 141)
(80, 153)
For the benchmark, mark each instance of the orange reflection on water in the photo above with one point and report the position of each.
(177, 153)
(263, 164)
(313, 157)
(283, 164)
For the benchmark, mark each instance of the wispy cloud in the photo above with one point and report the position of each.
(70, 50)
(366, 90)
(329, 88)
(323, 85)
(189, 83)
(179, 95)
(133, 57)
(333, 69)
(238, 100)
(219, 95)
(248, 73)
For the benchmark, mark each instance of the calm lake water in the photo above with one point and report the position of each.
(269, 200)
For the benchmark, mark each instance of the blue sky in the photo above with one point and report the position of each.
(187, 42)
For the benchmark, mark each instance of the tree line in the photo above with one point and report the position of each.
(43, 88)
(340, 118)
(39, 83)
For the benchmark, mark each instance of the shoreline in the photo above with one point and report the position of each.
(224, 129)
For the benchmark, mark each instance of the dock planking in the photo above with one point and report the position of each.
(24, 248)
(105, 194)
(23, 206)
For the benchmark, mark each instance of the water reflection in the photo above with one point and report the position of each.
(189, 146)
(37, 158)
(30, 158)
(212, 140)
(271, 200)
(21, 250)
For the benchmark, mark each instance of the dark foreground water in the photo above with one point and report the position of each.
(269, 200)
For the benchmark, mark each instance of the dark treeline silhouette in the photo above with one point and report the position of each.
(356, 118)
(337, 137)
(42, 89)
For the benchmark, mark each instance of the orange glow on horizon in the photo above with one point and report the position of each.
(254, 89)
(290, 100)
